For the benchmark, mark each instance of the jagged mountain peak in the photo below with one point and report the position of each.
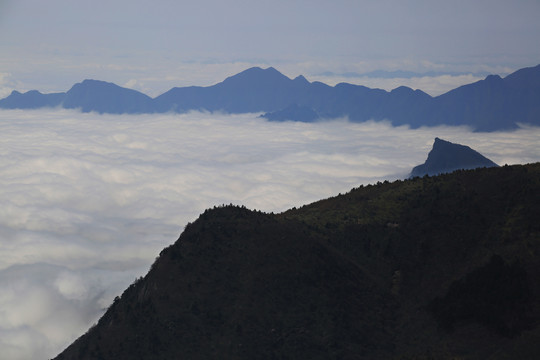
(256, 75)
(446, 157)
(301, 79)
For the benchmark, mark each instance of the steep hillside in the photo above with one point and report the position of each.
(436, 267)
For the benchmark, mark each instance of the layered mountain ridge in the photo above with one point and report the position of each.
(434, 267)
(487, 105)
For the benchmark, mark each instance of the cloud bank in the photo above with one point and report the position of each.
(88, 201)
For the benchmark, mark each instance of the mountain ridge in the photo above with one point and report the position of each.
(491, 104)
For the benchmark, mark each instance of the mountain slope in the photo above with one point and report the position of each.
(253, 90)
(225, 291)
(439, 267)
(104, 97)
(447, 157)
(492, 103)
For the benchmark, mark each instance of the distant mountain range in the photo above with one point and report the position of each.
(383, 74)
(487, 105)
(441, 267)
(446, 157)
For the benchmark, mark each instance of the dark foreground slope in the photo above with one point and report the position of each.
(435, 267)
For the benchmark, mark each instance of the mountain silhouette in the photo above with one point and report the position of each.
(490, 103)
(253, 90)
(105, 97)
(487, 105)
(446, 157)
(434, 267)
(32, 99)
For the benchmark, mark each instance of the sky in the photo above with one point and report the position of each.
(88, 201)
(154, 46)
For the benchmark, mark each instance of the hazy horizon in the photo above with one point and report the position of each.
(434, 84)
(152, 47)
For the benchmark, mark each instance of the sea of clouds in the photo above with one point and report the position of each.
(88, 201)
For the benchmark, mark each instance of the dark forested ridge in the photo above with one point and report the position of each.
(438, 267)
(494, 103)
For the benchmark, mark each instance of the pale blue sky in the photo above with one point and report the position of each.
(152, 46)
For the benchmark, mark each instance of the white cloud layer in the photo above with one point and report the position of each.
(88, 201)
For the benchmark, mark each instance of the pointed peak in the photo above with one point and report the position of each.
(493, 78)
(256, 74)
(301, 78)
(402, 89)
(439, 140)
(446, 156)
